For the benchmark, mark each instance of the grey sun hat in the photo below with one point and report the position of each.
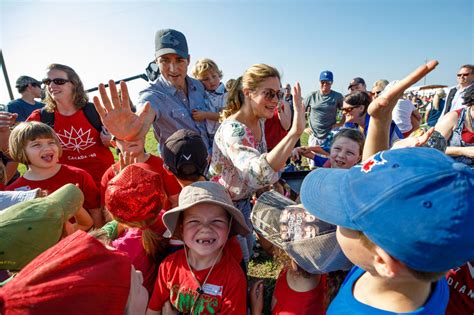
(24, 80)
(310, 242)
(169, 41)
(204, 192)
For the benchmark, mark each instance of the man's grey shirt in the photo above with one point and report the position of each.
(323, 111)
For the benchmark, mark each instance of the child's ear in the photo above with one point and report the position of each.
(246, 92)
(385, 265)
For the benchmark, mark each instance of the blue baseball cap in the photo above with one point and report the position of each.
(415, 203)
(326, 75)
(169, 41)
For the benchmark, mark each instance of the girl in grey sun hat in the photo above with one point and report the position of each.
(201, 193)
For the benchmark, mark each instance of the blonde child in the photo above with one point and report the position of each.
(36, 145)
(199, 279)
(308, 250)
(207, 71)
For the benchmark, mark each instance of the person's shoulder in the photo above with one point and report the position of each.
(15, 103)
(174, 259)
(69, 169)
(336, 94)
(195, 83)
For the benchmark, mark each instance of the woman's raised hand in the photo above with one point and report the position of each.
(117, 116)
(299, 119)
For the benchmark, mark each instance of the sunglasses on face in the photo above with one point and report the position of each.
(58, 81)
(346, 110)
(463, 75)
(326, 82)
(36, 85)
(270, 94)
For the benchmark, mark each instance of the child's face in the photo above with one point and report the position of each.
(135, 148)
(345, 153)
(205, 229)
(210, 80)
(42, 152)
(355, 251)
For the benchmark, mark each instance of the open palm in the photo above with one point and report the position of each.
(117, 116)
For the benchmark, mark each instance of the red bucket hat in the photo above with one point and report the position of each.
(135, 194)
(79, 275)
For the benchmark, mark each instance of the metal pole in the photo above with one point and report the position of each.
(140, 76)
(5, 75)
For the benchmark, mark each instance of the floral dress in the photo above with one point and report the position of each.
(238, 160)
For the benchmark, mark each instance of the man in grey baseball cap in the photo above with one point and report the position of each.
(174, 95)
(29, 88)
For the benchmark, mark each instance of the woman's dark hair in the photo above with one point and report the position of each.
(358, 98)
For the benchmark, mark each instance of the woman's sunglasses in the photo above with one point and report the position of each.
(57, 81)
(346, 110)
(270, 94)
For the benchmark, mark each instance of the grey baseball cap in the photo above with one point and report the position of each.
(169, 41)
(25, 80)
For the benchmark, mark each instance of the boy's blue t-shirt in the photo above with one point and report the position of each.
(345, 303)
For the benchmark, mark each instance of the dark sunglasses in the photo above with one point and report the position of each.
(270, 94)
(463, 75)
(57, 81)
(36, 85)
(346, 110)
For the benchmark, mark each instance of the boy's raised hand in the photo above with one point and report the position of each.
(117, 116)
(382, 106)
(380, 111)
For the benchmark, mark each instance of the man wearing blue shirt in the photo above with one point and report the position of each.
(29, 89)
(174, 95)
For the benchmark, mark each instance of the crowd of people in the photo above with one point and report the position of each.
(382, 225)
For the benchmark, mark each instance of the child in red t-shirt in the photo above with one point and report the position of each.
(461, 289)
(36, 145)
(308, 249)
(200, 279)
(135, 150)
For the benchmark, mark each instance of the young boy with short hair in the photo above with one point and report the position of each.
(36, 145)
(207, 71)
(199, 279)
(405, 218)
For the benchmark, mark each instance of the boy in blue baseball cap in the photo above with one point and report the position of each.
(404, 218)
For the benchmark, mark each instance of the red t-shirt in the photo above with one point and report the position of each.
(66, 175)
(225, 291)
(290, 302)
(466, 135)
(274, 132)
(81, 143)
(461, 290)
(170, 184)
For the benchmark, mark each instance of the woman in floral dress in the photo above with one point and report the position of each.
(240, 161)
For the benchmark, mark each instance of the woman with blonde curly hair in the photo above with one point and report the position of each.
(69, 113)
(240, 161)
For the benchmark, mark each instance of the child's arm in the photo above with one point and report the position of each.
(256, 298)
(284, 114)
(200, 115)
(83, 220)
(380, 111)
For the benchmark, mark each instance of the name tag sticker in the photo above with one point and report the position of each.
(212, 289)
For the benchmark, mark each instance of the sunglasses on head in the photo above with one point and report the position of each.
(346, 110)
(463, 75)
(270, 94)
(57, 81)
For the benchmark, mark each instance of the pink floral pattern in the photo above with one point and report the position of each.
(239, 161)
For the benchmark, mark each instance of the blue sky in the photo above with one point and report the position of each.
(373, 39)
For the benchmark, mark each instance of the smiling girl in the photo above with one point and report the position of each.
(240, 161)
(36, 145)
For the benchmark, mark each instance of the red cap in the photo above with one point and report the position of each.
(79, 275)
(135, 194)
